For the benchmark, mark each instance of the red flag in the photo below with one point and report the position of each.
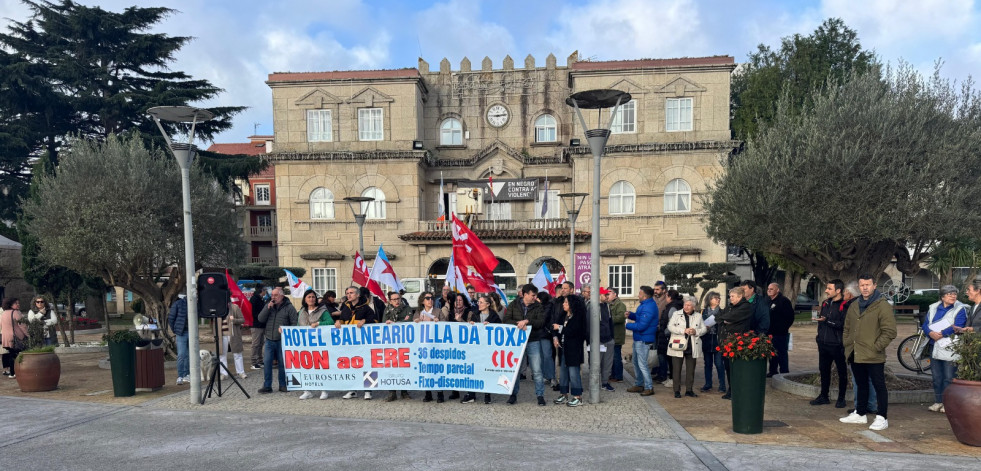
(561, 278)
(476, 261)
(360, 276)
(239, 299)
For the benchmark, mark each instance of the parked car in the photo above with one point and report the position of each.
(79, 309)
(804, 303)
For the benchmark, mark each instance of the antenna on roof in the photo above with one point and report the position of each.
(255, 129)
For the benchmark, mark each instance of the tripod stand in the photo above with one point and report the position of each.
(217, 366)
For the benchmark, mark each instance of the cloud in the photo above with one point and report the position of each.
(631, 29)
(455, 29)
(886, 22)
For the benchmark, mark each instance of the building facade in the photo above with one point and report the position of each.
(414, 138)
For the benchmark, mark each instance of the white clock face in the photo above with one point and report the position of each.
(497, 116)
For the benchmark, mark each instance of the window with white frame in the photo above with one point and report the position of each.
(545, 129)
(497, 211)
(321, 204)
(677, 115)
(263, 220)
(677, 196)
(625, 120)
(262, 195)
(451, 132)
(319, 126)
(552, 210)
(324, 279)
(622, 279)
(622, 198)
(370, 126)
(374, 209)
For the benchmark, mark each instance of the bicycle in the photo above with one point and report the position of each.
(910, 347)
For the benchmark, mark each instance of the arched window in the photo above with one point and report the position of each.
(677, 196)
(321, 204)
(374, 209)
(451, 132)
(545, 129)
(622, 198)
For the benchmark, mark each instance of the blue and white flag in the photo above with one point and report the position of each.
(297, 286)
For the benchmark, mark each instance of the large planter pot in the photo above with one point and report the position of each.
(748, 386)
(37, 372)
(122, 361)
(962, 404)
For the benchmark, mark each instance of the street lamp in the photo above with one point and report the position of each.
(184, 153)
(596, 100)
(573, 203)
(359, 215)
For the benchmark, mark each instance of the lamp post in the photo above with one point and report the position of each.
(573, 203)
(596, 100)
(359, 216)
(184, 153)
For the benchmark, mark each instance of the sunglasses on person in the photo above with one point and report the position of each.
(428, 297)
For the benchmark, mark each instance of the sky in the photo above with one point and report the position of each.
(239, 42)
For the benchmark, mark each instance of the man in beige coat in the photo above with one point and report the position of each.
(231, 339)
(870, 326)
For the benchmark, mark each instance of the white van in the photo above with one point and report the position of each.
(413, 288)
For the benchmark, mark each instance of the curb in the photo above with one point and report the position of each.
(781, 382)
(82, 349)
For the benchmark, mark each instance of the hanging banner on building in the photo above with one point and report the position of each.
(584, 267)
(511, 189)
(410, 356)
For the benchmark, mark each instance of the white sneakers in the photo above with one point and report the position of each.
(349, 395)
(936, 407)
(367, 396)
(180, 380)
(242, 376)
(854, 418)
(668, 383)
(306, 395)
(323, 395)
(880, 423)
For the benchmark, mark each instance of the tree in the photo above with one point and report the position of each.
(717, 274)
(873, 169)
(955, 253)
(802, 65)
(113, 210)
(684, 274)
(77, 70)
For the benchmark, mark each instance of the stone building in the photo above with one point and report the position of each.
(395, 135)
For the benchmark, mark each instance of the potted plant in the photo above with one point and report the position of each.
(38, 367)
(962, 399)
(748, 354)
(122, 361)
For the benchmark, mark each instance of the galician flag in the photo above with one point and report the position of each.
(383, 272)
(297, 286)
(543, 280)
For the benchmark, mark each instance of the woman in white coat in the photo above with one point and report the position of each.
(685, 344)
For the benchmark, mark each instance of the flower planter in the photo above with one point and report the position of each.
(748, 387)
(962, 403)
(38, 372)
(122, 359)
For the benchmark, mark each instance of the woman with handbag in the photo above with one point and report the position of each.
(685, 344)
(941, 319)
(14, 334)
(571, 333)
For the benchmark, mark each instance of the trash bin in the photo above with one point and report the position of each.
(122, 361)
(149, 365)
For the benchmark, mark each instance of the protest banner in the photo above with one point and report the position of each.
(405, 356)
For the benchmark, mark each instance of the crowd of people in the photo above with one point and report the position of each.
(671, 332)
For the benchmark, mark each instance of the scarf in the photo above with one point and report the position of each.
(864, 303)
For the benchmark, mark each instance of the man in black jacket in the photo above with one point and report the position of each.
(524, 312)
(781, 319)
(831, 323)
(760, 307)
(278, 313)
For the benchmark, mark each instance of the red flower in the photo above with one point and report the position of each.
(740, 342)
(718, 349)
(773, 354)
(740, 348)
(750, 347)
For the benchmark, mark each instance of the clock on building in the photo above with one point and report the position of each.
(498, 116)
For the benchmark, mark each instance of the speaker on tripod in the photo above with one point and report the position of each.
(213, 299)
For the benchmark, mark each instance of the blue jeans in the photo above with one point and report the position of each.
(570, 375)
(641, 370)
(943, 372)
(714, 358)
(273, 348)
(548, 363)
(534, 354)
(183, 361)
(873, 404)
(617, 372)
(781, 362)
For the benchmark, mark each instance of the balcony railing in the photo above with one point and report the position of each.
(262, 231)
(499, 225)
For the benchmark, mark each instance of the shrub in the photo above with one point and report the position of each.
(968, 346)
